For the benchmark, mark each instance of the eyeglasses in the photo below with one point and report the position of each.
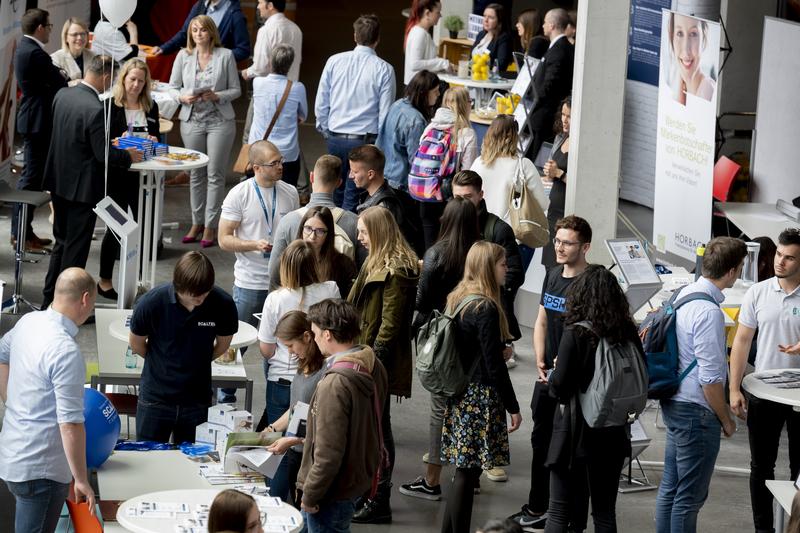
(318, 232)
(567, 244)
(276, 163)
(48, 25)
(80, 34)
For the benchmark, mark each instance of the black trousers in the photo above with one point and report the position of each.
(431, 214)
(35, 146)
(123, 188)
(765, 421)
(458, 511)
(570, 489)
(543, 408)
(385, 485)
(72, 229)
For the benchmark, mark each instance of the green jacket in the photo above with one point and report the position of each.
(385, 302)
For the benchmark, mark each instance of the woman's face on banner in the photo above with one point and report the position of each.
(687, 43)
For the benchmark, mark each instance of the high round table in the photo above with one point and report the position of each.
(245, 336)
(151, 198)
(768, 391)
(193, 498)
(485, 88)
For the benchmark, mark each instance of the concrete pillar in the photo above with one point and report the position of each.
(598, 96)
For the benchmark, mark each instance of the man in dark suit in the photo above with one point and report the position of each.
(40, 80)
(74, 172)
(552, 81)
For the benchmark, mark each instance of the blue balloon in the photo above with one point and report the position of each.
(102, 427)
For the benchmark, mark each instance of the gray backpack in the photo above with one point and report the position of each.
(438, 362)
(617, 394)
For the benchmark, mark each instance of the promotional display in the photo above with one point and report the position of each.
(10, 16)
(687, 106)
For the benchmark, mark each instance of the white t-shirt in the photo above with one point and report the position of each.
(777, 316)
(499, 178)
(277, 304)
(242, 205)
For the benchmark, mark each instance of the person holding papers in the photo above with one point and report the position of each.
(294, 332)
(205, 80)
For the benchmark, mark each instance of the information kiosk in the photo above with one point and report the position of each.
(126, 230)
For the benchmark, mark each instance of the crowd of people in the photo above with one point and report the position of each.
(344, 282)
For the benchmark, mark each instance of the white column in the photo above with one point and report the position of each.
(598, 95)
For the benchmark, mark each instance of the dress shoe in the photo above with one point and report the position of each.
(43, 242)
(111, 294)
(181, 178)
(373, 512)
(193, 237)
(206, 244)
(31, 246)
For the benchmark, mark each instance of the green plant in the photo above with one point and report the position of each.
(453, 23)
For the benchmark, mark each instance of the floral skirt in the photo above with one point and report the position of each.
(475, 434)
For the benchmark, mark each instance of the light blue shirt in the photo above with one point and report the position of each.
(267, 93)
(701, 334)
(217, 12)
(355, 92)
(45, 389)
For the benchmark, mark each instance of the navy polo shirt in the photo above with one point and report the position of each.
(177, 367)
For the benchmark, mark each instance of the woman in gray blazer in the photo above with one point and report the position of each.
(73, 56)
(205, 80)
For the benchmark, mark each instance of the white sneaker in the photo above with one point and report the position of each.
(511, 363)
(496, 474)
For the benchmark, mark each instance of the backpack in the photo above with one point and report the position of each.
(433, 165)
(617, 393)
(438, 363)
(341, 240)
(660, 342)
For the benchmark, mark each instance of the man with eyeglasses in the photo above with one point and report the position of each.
(572, 241)
(39, 80)
(251, 213)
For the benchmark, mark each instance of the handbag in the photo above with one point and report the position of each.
(526, 216)
(243, 159)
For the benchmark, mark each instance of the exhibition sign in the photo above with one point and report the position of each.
(10, 16)
(687, 106)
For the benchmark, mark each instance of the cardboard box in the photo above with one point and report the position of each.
(209, 433)
(239, 421)
(217, 414)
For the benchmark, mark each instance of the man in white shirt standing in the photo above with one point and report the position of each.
(250, 215)
(772, 307)
(42, 371)
(277, 29)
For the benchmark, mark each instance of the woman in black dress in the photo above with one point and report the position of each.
(555, 171)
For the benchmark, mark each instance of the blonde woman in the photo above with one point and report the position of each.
(456, 99)
(205, 81)
(499, 164)
(133, 112)
(384, 294)
(301, 289)
(475, 435)
(73, 55)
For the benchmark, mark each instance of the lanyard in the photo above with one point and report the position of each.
(264, 207)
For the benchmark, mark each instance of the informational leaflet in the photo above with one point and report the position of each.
(297, 421)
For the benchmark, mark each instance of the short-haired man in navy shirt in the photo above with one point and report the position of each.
(179, 328)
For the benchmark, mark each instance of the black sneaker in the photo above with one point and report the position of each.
(529, 522)
(373, 512)
(419, 488)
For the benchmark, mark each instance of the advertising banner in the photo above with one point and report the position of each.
(10, 15)
(687, 105)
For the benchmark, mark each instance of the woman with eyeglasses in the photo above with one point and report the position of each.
(383, 294)
(73, 55)
(205, 81)
(301, 289)
(317, 229)
(235, 512)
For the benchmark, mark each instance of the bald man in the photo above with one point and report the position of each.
(42, 372)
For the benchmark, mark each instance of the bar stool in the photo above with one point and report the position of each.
(25, 199)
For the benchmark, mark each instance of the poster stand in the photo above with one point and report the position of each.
(641, 281)
(639, 443)
(126, 230)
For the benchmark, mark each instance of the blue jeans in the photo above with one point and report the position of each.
(248, 301)
(332, 517)
(39, 503)
(346, 196)
(278, 397)
(157, 421)
(693, 435)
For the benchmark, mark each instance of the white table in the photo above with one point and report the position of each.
(485, 87)
(681, 277)
(767, 391)
(194, 498)
(784, 492)
(757, 220)
(151, 199)
(112, 369)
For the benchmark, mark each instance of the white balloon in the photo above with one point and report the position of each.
(117, 11)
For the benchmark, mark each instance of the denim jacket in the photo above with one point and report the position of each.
(399, 140)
